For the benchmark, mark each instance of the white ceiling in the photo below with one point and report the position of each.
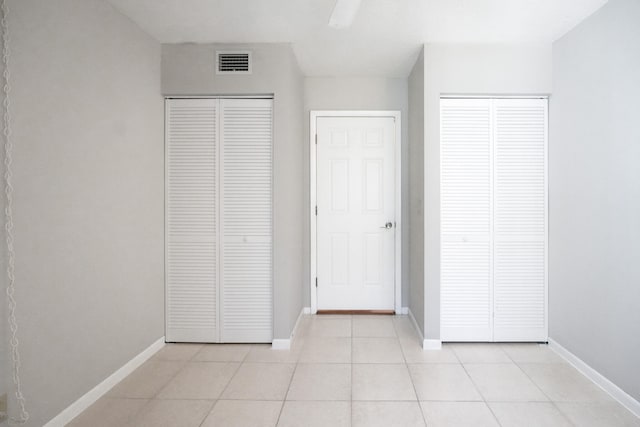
(383, 40)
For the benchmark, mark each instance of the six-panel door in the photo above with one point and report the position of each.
(356, 213)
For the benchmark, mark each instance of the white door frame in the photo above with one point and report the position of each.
(313, 117)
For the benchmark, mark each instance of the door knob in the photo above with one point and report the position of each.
(388, 225)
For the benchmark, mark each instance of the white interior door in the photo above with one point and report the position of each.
(355, 186)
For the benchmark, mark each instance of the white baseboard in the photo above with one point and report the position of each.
(404, 310)
(427, 344)
(415, 324)
(281, 344)
(285, 344)
(432, 345)
(616, 392)
(98, 391)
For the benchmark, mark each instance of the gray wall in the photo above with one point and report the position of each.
(416, 191)
(357, 93)
(189, 69)
(594, 174)
(88, 120)
(4, 345)
(467, 70)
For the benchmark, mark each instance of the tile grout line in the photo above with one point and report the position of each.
(478, 390)
(526, 375)
(413, 384)
(215, 402)
(173, 377)
(184, 362)
(455, 354)
(510, 402)
(541, 390)
(286, 394)
(351, 371)
(483, 398)
(228, 382)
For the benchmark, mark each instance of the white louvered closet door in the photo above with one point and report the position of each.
(246, 303)
(465, 201)
(493, 220)
(520, 248)
(219, 220)
(191, 220)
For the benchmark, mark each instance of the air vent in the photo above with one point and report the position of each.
(236, 62)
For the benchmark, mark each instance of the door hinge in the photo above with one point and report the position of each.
(316, 211)
(316, 282)
(316, 139)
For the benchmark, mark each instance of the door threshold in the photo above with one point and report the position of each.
(375, 312)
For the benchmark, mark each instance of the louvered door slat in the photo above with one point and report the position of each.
(246, 214)
(465, 200)
(191, 222)
(520, 300)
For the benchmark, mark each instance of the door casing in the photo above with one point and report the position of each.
(313, 117)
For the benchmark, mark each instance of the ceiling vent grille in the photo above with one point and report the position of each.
(236, 62)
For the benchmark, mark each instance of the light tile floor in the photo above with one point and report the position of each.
(355, 371)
